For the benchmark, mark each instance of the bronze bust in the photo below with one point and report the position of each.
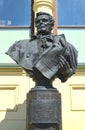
(45, 56)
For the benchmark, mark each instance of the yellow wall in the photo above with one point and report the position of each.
(14, 86)
(73, 105)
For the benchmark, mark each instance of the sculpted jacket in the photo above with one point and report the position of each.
(43, 54)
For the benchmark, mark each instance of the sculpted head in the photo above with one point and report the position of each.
(44, 23)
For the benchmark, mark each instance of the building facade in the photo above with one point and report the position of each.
(15, 84)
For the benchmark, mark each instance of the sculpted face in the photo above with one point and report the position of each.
(43, 24)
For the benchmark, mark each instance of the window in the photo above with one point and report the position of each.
(15, 12)
(71, 12)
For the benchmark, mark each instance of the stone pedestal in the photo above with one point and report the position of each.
(43, 109)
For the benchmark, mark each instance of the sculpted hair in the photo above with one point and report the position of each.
(44, 13)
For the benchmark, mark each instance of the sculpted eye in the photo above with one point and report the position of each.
(45, 20)
(38, 21)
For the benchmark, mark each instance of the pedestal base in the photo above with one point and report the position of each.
(43, 109)
(43, 127)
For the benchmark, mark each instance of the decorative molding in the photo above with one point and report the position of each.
(80, 70)
(6, 71)
(8, 97)
(19, 71)
(77, 97)
(43, 5)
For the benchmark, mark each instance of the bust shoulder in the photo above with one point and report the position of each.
(61, 39)
(22, 42)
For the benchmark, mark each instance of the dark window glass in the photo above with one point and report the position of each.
(15, 12)
(71, 12)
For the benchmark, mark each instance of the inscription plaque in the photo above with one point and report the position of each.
(43, 111)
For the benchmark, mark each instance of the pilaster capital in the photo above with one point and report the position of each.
(43, 5)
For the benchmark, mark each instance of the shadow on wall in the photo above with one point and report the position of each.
(15, 119)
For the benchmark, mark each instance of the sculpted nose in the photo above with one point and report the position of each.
(41, 21)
